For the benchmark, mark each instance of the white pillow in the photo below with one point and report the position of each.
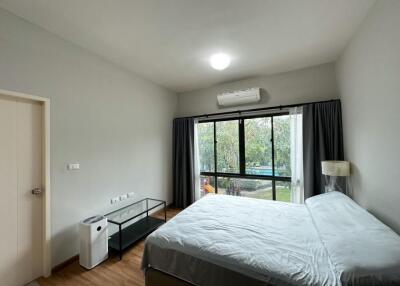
(362, 249)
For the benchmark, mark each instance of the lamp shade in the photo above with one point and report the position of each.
(336, 168)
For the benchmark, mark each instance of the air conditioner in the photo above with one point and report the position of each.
(239, 97)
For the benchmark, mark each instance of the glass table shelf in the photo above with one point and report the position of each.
(134, 223)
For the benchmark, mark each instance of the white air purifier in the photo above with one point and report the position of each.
(93, 241)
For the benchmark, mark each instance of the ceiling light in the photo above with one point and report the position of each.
(220, 61)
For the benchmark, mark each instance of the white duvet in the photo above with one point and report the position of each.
(276, 243)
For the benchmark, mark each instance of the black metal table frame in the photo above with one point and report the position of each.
(161, 202)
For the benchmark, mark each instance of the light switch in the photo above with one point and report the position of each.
(123, 197)
(114, 200)
(73, 166)
(131, 194)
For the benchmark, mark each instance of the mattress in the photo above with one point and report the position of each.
(272, 243)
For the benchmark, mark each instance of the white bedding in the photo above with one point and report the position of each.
(363, 250)
(272, 242)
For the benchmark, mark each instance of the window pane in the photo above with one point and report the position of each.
(282, 145)
(259, 189)
(257, 133)
(207, 185)
(227, 146)
(205, 133)
(283, 191)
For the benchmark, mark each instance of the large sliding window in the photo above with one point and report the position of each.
(246, 156)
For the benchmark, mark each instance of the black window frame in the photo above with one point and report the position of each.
(242, 152)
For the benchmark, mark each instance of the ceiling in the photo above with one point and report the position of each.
(170, 41)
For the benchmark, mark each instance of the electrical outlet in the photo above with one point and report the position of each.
(73, 166)
(115, 200)
(131, 194)
(123, 197)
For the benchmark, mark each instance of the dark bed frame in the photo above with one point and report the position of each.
(154, 277)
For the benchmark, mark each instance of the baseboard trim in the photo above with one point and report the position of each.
(65, 263)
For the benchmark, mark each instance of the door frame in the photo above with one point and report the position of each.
(45, 102)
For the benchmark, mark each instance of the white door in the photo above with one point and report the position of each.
(21, 212)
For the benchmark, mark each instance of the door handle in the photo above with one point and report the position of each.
(36, 191)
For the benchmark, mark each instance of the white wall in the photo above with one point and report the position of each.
(117, 125)
(305, 85)
(369, 79)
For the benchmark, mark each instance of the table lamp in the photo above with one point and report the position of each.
(335, 169)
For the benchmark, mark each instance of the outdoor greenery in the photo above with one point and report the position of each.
(227, 146)
(243, 184)
(260, 189)
(258, 147)
(282, 145)
(258, 154)
(258, 142)
(205, 133)
(282, 194)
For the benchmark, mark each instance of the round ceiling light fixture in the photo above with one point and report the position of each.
(220, 61)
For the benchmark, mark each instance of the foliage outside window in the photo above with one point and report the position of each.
(246, 157)
(227, 133)
(205, 133)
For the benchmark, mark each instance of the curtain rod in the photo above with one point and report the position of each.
(255, 109)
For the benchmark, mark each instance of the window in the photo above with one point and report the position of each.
(247, 156)
(282, 145)
(227, 133)
(258, 147)
(205, 133)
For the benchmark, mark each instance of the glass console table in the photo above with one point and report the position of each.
(134, 223)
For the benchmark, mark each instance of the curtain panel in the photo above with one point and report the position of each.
(322, 140)
(296, 154)
(183, 162)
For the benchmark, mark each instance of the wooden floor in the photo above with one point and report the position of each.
(111, 272)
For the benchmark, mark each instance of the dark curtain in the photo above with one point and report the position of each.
(183, 162)
(322, 140)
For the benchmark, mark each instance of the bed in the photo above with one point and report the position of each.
(227, 240)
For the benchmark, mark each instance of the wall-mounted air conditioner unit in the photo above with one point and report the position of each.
(239, 97)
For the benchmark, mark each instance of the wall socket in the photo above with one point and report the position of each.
(115, 200)
(122, 197)
(73, 166)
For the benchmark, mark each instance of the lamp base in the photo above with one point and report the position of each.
(341, 185)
